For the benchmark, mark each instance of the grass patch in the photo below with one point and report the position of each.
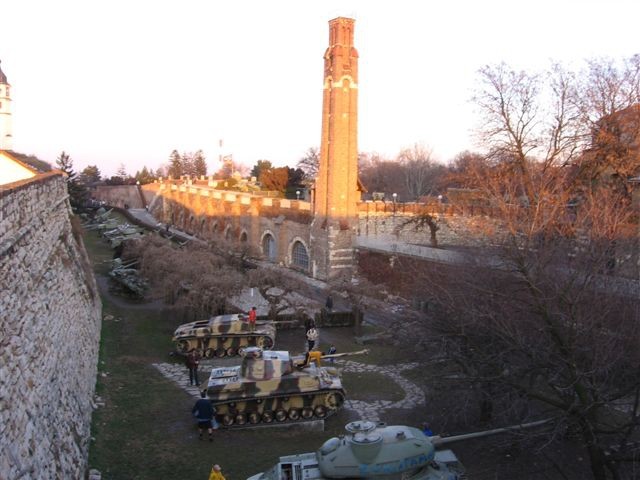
(369, 386)
(145, 430)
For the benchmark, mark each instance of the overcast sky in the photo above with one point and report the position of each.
(128, 81)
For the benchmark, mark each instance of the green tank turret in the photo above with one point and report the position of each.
(370, 451)
(224, 335)
(269, 387)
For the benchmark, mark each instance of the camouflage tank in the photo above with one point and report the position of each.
(224, 335)
(370, 451)
(274, 386)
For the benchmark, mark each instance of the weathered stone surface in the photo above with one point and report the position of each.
(50, 317)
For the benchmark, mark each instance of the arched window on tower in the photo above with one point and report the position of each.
(299, 255)
(269, 247)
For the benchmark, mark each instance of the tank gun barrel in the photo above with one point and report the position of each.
(275, 322)
(437, 440)
(346, 354)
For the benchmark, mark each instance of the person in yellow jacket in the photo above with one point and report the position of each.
(309, 357)
(216, 473)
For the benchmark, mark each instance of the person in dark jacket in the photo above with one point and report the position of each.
(203, 411)
(192, 360)
(329, 303)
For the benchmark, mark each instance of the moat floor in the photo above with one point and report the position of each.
(143, 428)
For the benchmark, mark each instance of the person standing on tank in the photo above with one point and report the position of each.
(253, 315)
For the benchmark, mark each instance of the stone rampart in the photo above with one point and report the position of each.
(50, 318)
(271, 226)
(200, 208)
(121, 196)
(456, 226)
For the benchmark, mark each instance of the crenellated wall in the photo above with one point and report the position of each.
(50, 318)
(201, 209)
(456, 226)
(209, 213)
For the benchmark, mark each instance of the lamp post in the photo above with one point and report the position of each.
(395, 197)
(297, 194)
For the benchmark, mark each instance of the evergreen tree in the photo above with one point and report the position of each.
(259, 167)
(77, 192)
(199, 164)
(122, 172)
(187, 164)
(144, 176)
(90, 174)
(175, 165)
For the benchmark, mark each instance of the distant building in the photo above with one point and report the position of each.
(6, 129)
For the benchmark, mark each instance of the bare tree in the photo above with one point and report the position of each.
(421, 172)
(542, 324)
(193, 277)
(609, 101)
(310, 163)
(521, 131)
(379, 174)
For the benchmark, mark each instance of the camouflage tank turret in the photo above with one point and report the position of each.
(274, 386)
(223, 335)
(370, 451)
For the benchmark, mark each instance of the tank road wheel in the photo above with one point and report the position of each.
(281, 415)
(333, 401)
(320, 411)
(231, 352)
(294, 414)
(241, 419)
(227, 420)
(264, 342)
(267, 417)
(254, 417)
(183, 346)
(209, 353)
(220, 352)
(307, 413)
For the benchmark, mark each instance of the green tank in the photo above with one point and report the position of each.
(370, 451)
(224, 335)
(273, 386)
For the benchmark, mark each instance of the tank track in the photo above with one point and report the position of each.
(216, 351)
(311, 409)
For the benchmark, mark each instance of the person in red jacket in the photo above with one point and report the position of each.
(253, 315)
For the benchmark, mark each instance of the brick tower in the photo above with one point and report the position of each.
(6, 138)
(336, 190)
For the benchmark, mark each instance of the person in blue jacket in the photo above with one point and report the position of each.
(203, 411)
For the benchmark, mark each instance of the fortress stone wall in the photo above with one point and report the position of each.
(457, 227)
(210, 213)
(50, 319)
(118, 195)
